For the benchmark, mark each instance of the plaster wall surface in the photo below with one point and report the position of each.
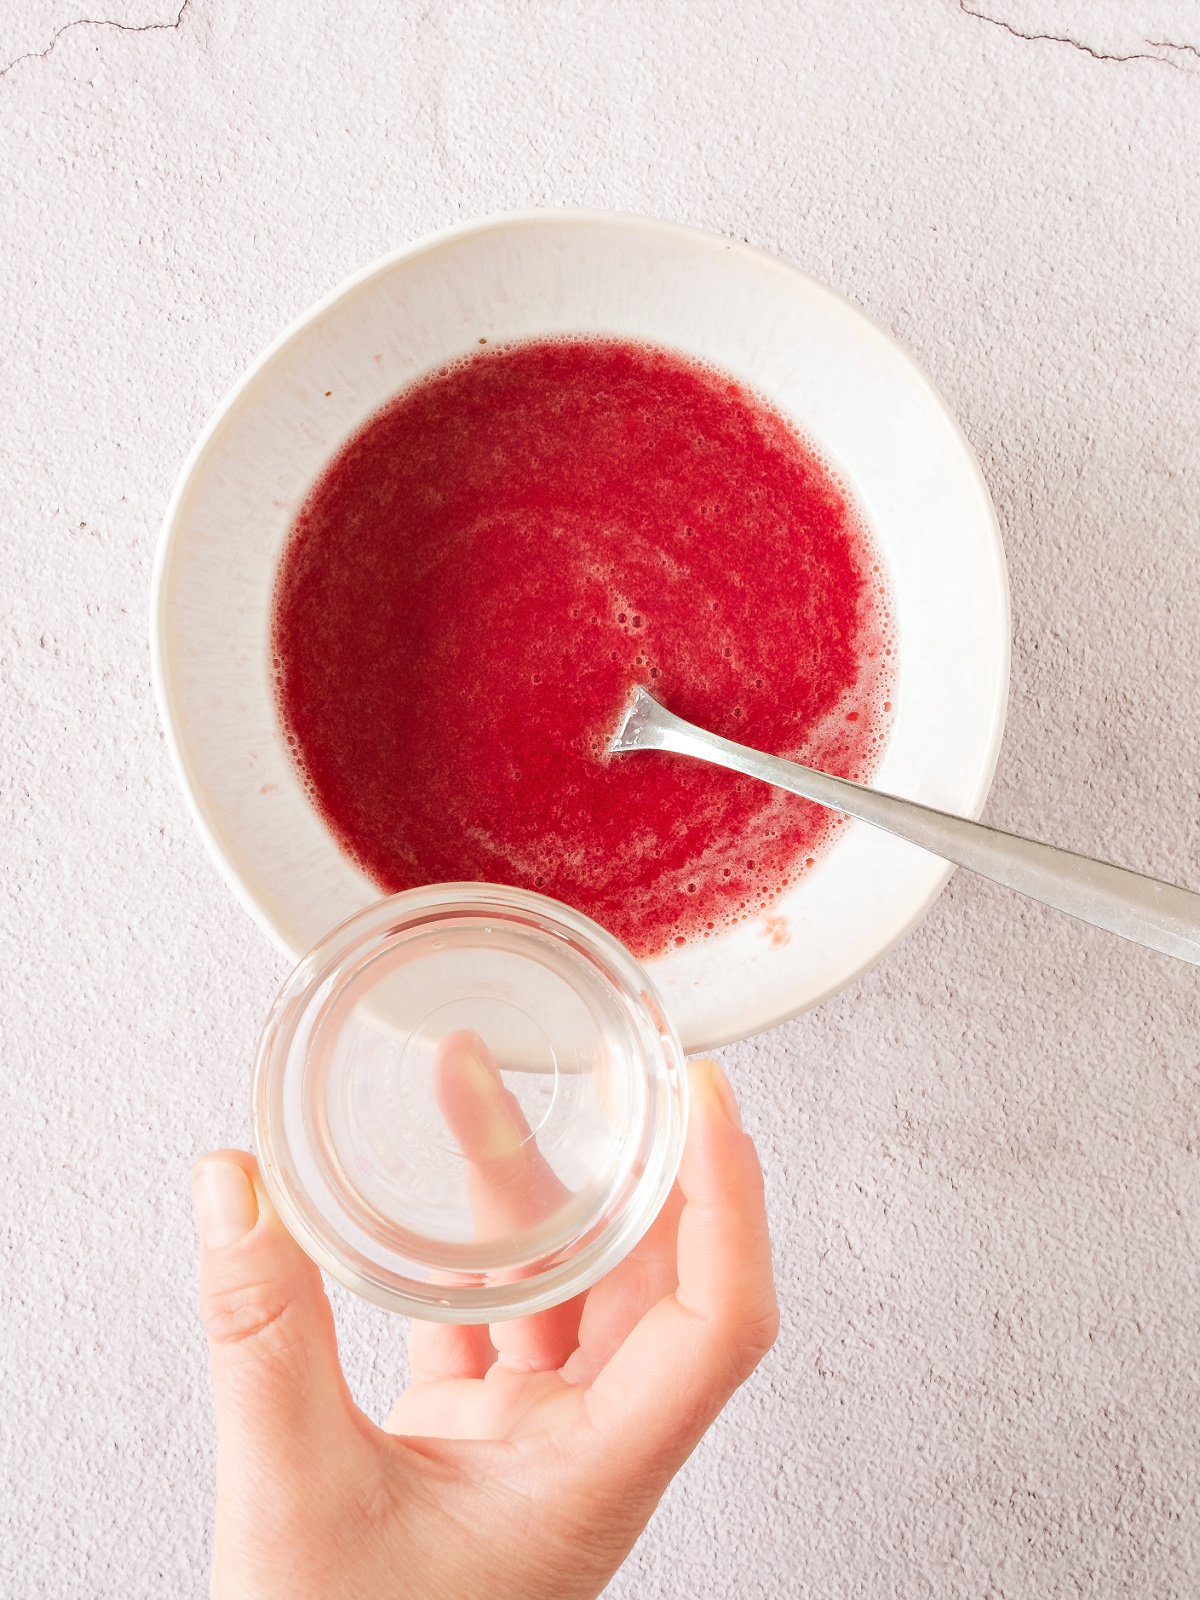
(983, 1161)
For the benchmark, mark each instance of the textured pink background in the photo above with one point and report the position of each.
(983, 1162)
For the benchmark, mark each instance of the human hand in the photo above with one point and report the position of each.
(524, 1460)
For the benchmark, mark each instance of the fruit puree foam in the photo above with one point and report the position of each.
(487, 567)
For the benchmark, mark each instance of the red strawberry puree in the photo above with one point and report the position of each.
(482, 573)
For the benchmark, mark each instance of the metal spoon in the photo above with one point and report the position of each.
(1142, 909)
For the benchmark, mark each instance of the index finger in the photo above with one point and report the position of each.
(511, 1187)
(689, 1353)
(510, 1183)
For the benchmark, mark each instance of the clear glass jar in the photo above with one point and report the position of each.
(469, 1102)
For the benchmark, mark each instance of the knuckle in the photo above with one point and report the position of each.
(748, 1342)
(232, 1313)
(760, 1335)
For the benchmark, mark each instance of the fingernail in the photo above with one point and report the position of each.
(225, 1201)
(725, 1095)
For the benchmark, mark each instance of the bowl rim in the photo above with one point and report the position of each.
(617, 220)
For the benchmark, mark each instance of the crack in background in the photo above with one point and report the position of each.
(1165, 44)
(96, 22)
(1078, 44)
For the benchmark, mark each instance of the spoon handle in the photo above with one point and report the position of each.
(1143, 909)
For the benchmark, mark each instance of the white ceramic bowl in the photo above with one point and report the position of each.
(848, 385)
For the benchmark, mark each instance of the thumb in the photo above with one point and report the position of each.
(276, 1378)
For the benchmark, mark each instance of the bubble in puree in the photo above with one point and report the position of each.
(487, 567)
